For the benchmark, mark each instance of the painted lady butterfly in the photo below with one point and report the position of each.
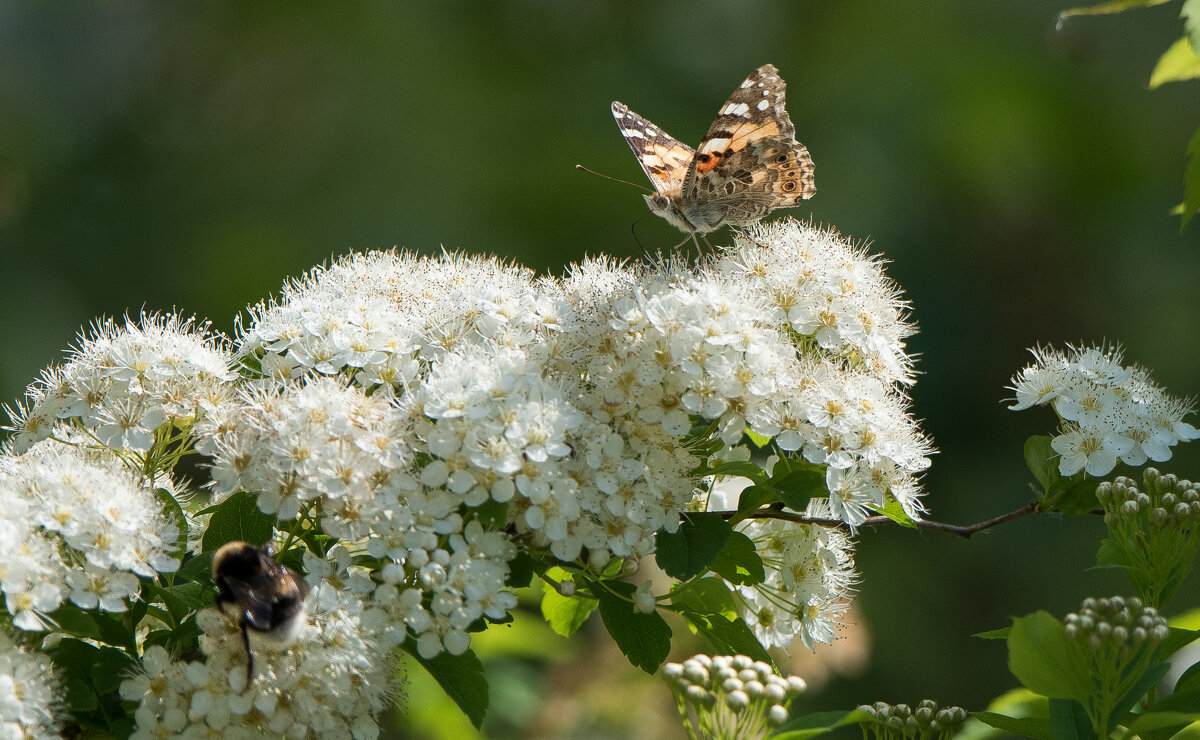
(747, 165)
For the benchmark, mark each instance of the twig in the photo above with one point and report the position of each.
(964, 531)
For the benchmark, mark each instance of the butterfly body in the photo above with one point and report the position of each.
(748, 164)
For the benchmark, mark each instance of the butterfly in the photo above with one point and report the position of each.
(747, 165)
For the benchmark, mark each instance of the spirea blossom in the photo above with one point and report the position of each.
(123, 381)
(332, 682)
(1109, 412)
(30, 703)
(810, 580)
(57, 495)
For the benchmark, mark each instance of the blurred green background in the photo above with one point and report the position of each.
(1018, 175)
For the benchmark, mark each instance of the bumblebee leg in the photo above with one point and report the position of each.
(249, 656)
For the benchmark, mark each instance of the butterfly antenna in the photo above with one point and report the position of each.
(581, 168)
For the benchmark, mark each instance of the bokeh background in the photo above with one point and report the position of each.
(1017, 173)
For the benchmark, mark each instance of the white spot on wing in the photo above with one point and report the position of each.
(763, 105)
(633, 133)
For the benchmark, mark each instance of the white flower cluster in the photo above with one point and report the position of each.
(320, 442)
(331, 683)
(29, 694)
(124, 382)
(110, 522)
(1109, 411)
(810, 580)
(371, 316)
(828, 291)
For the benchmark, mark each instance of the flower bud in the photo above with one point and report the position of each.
(777, 715)
(737, 701)
(775, 692)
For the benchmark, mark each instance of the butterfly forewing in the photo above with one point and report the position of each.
(664, 160)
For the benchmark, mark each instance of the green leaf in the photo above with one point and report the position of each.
(1191, 180)
(1189, 679)
(75, 659)
(897, 514)
(196, 568)
(728, 636)
(1000, 634)
(237, 518)
(491, 514)
(1190, 732)
(1045, 661)
(1112, 555)
(109, 668)
(177, 608)
(1035, 727)
(565, 614)
(1069, 720)
(1190, 13)
(1079, 498)
(797, 487)
(751, 500)
(1177, 63)
(689, 551)
(644, 638)
(1042, 461)
(1166, 723)
(521, 570)
(1112, 6)
(75, 621)
(461, 677)
(758, 440)
(706, 596)
(744, 469)
(114, 631)
(818, 723)
(1176, 640)
(738, 561)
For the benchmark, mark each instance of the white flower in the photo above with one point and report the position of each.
(29, 703)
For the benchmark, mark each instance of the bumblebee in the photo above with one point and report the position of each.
(265, 597)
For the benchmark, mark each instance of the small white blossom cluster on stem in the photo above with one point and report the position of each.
(109, 522)
(809, 572)
(30, 704)
(730, 697)
(1109, 412)
(124, 381)
(810, 580)
(332, 682)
